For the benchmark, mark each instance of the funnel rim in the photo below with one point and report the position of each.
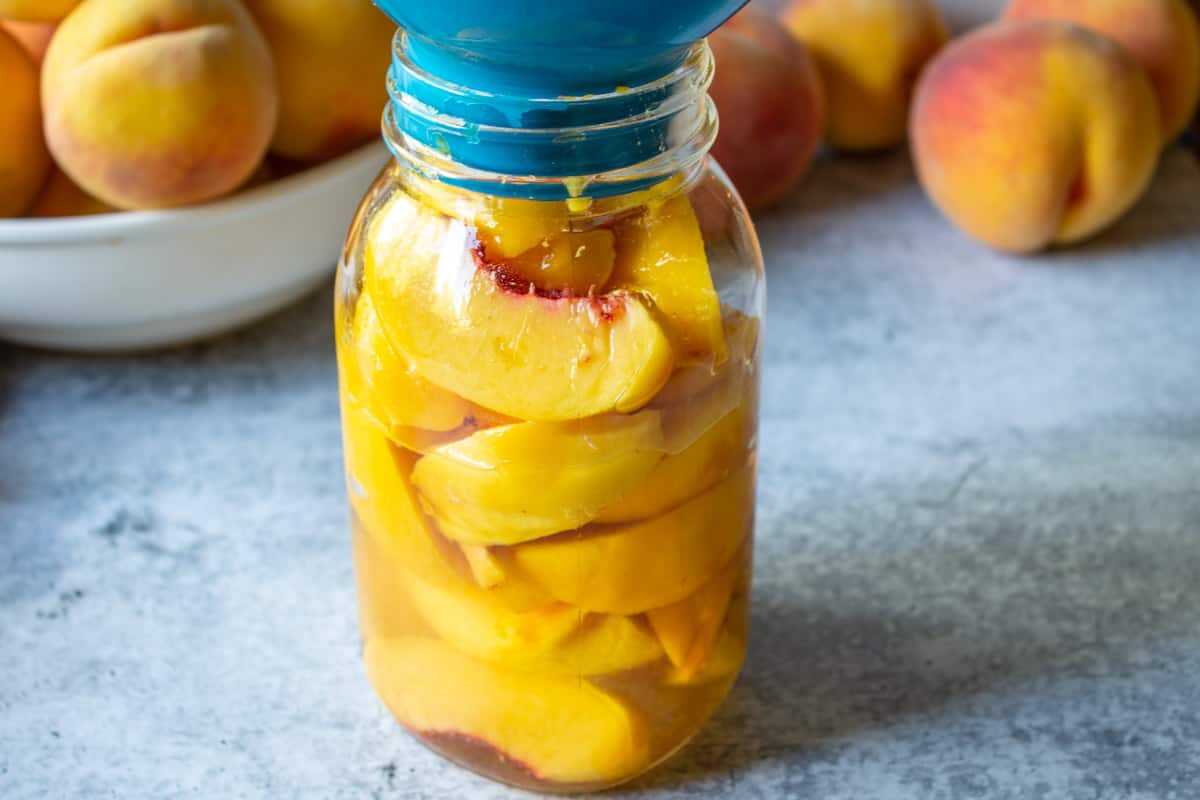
(697, 62)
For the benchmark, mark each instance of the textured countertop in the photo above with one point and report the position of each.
(978, 558)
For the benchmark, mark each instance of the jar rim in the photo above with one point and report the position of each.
(672, 127)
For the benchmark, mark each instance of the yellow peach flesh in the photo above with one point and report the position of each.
(628, 569)
(660, 254)
(514, 483)
(556, 639)
(561, 730)
(377, 475)
(527, 356)
(578, 263)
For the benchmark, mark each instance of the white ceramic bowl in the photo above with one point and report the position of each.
(154, 278)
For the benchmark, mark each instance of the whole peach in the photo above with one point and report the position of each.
(36, 10)
(332, 58)
(61, 197)
(33, 36)
(1032, 133)
(157, 103)
(24, 161)
(1161, 35)
(869, 54)
(772, 108)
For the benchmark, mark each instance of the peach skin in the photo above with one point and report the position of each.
(24, 162)
(1161, 35)
(33, 36)
(61, 197)
(36, 10)
(869, 54)
(591, 355)
(158, 103)
(332, 58)
(771, 104)
(559, 729)
(1033, 133)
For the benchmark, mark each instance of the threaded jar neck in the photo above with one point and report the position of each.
(549, 148)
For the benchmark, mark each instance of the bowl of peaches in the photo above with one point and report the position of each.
(170, 169)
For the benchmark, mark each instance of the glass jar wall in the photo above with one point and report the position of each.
(550, 416)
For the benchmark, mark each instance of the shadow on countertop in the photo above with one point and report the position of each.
(992, 616)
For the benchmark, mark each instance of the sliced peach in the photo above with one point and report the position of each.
(660, 254)
(719, 451)
(560, 729)
(383, 381)
(741, 336)
(383, 605)
(688, 629)
(470, 327)
(380, 494)
(486, 570)
(506, 226)
(628, 569)
(578, 263)
(514, 483)
(698, 396)
(414, 413)
(510, 226)
(724, 658)
(558, 639)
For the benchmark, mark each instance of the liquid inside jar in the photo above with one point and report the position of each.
(550, 415)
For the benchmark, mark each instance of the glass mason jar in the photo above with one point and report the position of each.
(550, 416)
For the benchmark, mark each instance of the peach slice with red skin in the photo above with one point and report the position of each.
(515, 483)
(489, 336)
(660, 254)
(510, 226)
(560, 729)
(557, 639)
(628, 569)
(377, 475)
(506, 226)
